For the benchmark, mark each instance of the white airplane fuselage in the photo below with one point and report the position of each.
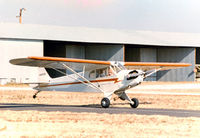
(114, 83)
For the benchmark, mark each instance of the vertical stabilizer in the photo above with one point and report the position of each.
(43, 76)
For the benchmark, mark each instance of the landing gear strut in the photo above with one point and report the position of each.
(35, 95)
(105, 102)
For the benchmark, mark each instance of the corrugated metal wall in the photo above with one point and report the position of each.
(134, 53)
(186, 55)
(95, 51)
(167, 54)
(149, 55)
(75, 51)
(104, 52)
(197, 55)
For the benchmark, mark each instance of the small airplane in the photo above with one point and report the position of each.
(82, 75)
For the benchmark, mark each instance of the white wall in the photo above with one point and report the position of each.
(10, 49)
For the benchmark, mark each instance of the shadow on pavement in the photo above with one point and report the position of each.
(96, 108)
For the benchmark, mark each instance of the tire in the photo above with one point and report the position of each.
(34, 96)
(105, 102)
(136, 103)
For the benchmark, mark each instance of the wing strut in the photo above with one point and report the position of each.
(149, 73)
(94, 86)
(71, 76)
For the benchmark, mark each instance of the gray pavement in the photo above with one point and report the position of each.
(98, 109)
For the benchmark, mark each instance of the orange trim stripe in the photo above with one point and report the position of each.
(109, 63)
(157, 64)
(71, 60)
(71, 83)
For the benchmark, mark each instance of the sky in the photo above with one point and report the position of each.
(151, 15)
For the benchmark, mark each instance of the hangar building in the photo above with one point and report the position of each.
(22, 40)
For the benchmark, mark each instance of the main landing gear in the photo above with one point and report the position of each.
(135, 103)
(105, 102)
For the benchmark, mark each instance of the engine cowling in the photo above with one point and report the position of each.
(132, 75)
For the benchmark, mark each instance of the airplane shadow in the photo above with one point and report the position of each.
(96, 108)
(25, 106)
(18, 105)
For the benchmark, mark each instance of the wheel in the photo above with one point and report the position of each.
(34, 96)
(136, 103)
(105, 102)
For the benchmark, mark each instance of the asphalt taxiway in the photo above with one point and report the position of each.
(98, 109)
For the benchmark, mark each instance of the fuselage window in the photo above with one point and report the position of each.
(101, 73)
(98, 73)
(92, 74)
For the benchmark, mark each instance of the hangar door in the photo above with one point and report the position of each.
(82, 51)
(135, 53)
(164, 54)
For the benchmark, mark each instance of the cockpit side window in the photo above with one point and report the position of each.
(92, 74)
(101, 73)
(98, 73)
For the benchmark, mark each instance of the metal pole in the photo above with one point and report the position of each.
(20, 15)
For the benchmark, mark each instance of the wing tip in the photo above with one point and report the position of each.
(157, 64)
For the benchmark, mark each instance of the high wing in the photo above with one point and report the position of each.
(80, 64)
(145, 66)
(54, 62)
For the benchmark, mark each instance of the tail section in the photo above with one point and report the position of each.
(43, 76)
(43, 79)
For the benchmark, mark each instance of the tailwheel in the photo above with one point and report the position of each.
(105, 102)
(135, 104)
(35, 95)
